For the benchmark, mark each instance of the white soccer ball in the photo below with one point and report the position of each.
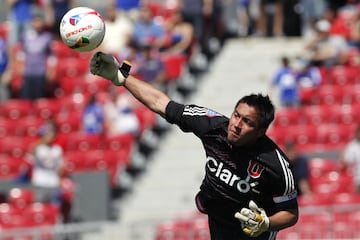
(82, 29)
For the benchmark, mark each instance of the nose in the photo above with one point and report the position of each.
(238, 123)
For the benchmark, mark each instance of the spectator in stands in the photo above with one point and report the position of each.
(313, 10)
(57, 10)
(146, 30)
(118, 33)
(128, 7)
(351, 157)
(4, 85)
(354, 30)
(325, 49)
(120, 117)
(284, 82)
(300, 169)
(151, 68)
(39, 62)
(245, 169)
(93, 117)
(20, 15)
(278, 15)
(194, 12)
(179, 35)
(307, 75)
(47, 163)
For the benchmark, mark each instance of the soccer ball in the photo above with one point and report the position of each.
(82, 29)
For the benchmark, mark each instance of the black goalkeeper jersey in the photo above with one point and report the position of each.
(235, 175)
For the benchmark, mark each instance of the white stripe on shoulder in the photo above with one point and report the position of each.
(289, 179)
(195, 111)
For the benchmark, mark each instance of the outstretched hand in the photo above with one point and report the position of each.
(106, 66)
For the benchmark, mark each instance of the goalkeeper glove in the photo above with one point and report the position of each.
(253, 220)
(106, 66)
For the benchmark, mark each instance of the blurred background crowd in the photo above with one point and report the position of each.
(57, 120)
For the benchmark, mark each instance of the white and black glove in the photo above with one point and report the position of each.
(253, 220)
(106, 66)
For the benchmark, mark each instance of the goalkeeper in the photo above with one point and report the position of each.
(248, 191)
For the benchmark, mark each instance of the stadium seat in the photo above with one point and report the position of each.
(287, 117)
(7, 127)
(16, 146)
(352, 93)
(75, 162)
(62, 51)
(332, 183)
(16, 108)
(317, 114)
(28, 126)
(70, 122)
(329, 95)
(147, 118)
(47, 108)
(80, 141)
(42, 214)
(115, 143)
(21, 197)
(321, 166)
(310, 226)
(11, 217)
(174, 66)
(10, 168)
(347, 200)
(343, 75)
(315, 200)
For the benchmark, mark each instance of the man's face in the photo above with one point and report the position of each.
(243, 129)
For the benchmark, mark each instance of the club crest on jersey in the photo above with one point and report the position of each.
(211, 113)
(254, 169)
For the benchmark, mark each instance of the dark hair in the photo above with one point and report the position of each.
(263, 106)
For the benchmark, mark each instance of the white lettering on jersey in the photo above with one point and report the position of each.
(226, 176)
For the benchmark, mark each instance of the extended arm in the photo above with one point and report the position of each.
(151, 97)
(106, 66)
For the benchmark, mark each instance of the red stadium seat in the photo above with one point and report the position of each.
(346, 200)
(28, 126)
(115, 143)
(321, 166)
(80, 141)
(317, 114)
(329, 95)
(287, 117)
(47, 108)
(10, 168)
(42, 214)
(75, 162)
(11, 217)
(343, 75)
(352, 93)
(147, 118)
(333, 183)
(315, 200)
(7, 127)
(16, 146)
(174, 66)
(70, 122)
(21, 197)
(16, 108)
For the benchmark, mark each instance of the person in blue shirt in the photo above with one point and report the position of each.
(300, 169)
(93, 117)
(285, 82)
(4, 89)
(20, 15)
